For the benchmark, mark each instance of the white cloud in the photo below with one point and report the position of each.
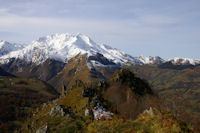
(159, 20)
(146, 17)
(4, 11)
(24, 24)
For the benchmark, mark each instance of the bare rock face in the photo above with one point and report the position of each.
(57, 110)
(42, 129)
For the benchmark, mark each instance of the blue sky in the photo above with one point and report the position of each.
(168, 28)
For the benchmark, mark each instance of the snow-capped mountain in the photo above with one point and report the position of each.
(151, 60)
(63, 47)
(183, 61)
(6, 47)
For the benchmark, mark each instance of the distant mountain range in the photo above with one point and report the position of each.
(63, 47)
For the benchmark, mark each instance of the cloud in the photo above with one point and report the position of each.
(159, 20)
(4, 11)
(147, 17)
(45, 25)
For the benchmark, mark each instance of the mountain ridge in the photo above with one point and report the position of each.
(63, 47)
(7, 47)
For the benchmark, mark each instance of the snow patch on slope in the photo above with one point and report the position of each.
(100, 112)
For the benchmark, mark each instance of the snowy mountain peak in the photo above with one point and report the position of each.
(62, 47)
(150, 60)
(6, 47)
(184, 61)
(60, 41)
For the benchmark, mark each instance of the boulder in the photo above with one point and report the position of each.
(57, 110)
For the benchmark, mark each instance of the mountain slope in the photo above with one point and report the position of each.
(44, 71)
(179, 89)
(150, 121)
(18, 98)
(4, 73)
(87, 108)
(129, 95)
(84, 68)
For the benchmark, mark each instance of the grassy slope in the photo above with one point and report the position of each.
(58, 123)
(158, 122)
(180, 89)
(129, 95)
(18, 96)
(76, 69)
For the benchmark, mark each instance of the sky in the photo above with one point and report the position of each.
(166, 28)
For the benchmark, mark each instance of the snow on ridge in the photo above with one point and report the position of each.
(150, 59)
(175, 61)
(6, 47)
(116, 55)
(182, 61)
(62, 47)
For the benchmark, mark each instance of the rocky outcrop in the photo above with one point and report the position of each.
(149, 111)
(101, 59)
(101, 113)
(56, 110)
(42, 129)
